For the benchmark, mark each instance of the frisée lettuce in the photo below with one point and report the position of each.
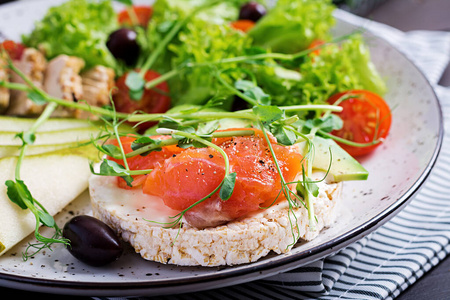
(171, 10)
(291, 26)
(207, 37)
(203, 46)
(79, 28)
(335, 68)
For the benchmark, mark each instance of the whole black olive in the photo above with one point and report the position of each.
(252, 11)
(123, 45)
(239, 104)
(92, 241)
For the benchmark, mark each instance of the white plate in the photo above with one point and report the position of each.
(397, 170)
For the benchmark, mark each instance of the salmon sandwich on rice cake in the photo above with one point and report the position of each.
(210, 229)
(224, 204)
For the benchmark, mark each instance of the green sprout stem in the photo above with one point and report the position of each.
(243, 114)
(284, 186)
(174, 141)
(244, 58)
(170, 35)
(271, 55)
(200, 140)
(42, 118)
(44, 242)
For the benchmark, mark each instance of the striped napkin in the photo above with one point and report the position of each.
(385, 263)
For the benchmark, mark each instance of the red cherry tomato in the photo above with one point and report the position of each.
(14, 50)
(366, 118)
(315, 44)
(242, 25)
(143, 14)
(154, 100)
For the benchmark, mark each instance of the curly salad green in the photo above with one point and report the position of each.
(207, 37)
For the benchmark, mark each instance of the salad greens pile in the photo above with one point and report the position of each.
(79, 28)
(293, 25)
(288, 28)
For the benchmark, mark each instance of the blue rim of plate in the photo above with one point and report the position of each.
(242, 273)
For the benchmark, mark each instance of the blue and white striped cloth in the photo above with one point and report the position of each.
(385, 263)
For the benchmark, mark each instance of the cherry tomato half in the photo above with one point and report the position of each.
(315, 44)
(154, 100)
(366, 118)
(15, 50)
(143, 14)
(242, 25)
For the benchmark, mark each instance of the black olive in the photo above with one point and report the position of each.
(92, 241)
(239, 104)
(252, 11)
(123, 45)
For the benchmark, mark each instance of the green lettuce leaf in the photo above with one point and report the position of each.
(203, 42)
(336, 68)
(339, 68)
(79, 28)
(206, 37)
(292, 25)
(165, 10)
(166, 13)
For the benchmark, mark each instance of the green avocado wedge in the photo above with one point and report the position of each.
(343, 168)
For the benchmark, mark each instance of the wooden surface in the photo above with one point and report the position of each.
(405, 15)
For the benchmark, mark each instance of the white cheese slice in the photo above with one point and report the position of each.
(53, 179)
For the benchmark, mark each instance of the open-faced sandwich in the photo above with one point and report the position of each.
(256, 218)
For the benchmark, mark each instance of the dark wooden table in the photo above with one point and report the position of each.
(405, 15)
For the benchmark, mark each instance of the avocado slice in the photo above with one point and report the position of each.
(344, 166)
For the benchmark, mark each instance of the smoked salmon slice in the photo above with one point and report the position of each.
(181, 177)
